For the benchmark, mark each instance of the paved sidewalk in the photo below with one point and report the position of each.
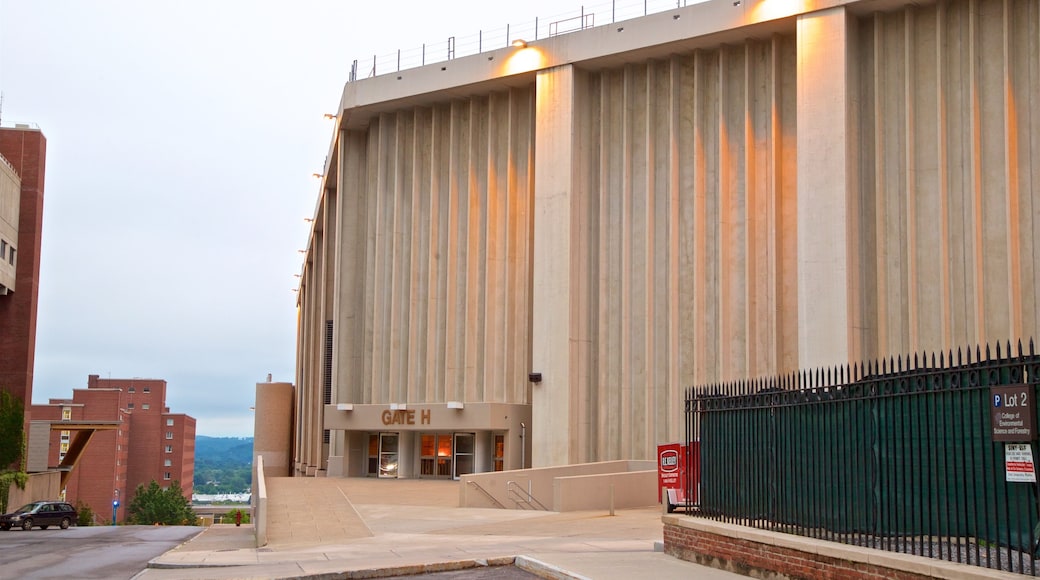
(366, 528)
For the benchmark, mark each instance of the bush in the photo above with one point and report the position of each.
(84, 515)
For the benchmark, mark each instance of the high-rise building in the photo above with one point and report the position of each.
(521, 258)
(149, 443)
(23, 154)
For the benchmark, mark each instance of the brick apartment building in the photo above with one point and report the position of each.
(23, 154)
(150, 442)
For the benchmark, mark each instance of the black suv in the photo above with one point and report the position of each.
(41, 514)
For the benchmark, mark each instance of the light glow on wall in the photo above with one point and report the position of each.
(772, 9)
(524, 60)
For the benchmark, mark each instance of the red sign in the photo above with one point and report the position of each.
(671, 467)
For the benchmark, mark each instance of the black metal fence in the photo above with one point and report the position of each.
(897, 455)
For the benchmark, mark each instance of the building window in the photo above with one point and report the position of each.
(11, 257)
(129, 405)
(147, 389)
(145, 406)
(169, 448)
(167, 463)
(169, 422)
(166, 476)
(66, 414)
(65, 435)
(131, 390)
(64, 448)
(169, 434)
(3, 249)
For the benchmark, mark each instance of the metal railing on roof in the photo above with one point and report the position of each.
(453, 47)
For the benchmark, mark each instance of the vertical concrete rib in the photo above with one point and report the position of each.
(942, 138)
(1011, 181)
(975, 217)
(910, 180)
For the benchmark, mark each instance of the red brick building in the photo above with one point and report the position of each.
(151, 443)
(22, 168)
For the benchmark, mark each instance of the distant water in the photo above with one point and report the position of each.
(212, 497)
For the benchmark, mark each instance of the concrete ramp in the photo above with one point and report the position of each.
(312, 511)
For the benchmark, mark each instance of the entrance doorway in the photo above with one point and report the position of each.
(464, 443)
(436, 458)
(388, 456)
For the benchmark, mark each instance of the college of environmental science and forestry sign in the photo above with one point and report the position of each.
(1013, 413)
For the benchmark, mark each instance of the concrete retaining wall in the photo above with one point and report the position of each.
(259, 501)
(42, 485)
(564, 488)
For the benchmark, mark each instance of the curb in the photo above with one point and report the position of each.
(405, 570)
(544, 570)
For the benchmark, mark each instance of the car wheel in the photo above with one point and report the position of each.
(27, 524)
(5, 527)
(65, 522)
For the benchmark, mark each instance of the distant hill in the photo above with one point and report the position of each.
(223, 464)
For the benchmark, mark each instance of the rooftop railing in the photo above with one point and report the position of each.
(586, 16)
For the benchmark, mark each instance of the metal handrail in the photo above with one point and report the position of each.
(517, 494)
(487, 494)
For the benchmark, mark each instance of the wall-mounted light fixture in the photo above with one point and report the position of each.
(520, 43)
(344, 406)
(456, 405)
(318, 175)
(535, 377)
(398, 407)
(330, 116)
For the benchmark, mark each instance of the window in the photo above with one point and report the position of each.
(129, 405)
(64, 448)
(11, 257)
(169, 422)
(169, 434)
(167, 463)
(66, 414)
(169, 448)
(65, 435)
(145, 406)
(3, 249)
(166, 476)
(147, 389)
(131, 390)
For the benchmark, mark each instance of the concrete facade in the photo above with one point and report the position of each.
(706, 194)
(23, 157)
(150, 444)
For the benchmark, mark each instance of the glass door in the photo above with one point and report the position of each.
(388, 454)
(463, 454)
(436, 455)
(498, 459)
(373, 455)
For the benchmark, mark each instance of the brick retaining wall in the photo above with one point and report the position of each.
(764, 554)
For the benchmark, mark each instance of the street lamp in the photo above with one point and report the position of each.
(115, 505)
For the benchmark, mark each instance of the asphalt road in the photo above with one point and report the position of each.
(88, 552)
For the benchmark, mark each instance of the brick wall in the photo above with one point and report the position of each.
(764, 554)
(26, 151)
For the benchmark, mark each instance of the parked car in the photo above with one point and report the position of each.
(42, 514)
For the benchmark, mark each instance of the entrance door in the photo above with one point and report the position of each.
(463, 454)
(436, 455)
(388, 456)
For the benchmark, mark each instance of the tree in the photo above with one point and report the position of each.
(155, 505)
(12, 415)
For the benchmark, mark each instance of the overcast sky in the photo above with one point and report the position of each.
(181, 141)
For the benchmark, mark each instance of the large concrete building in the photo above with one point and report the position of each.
(23, 155)
(522, 257)
(147, 443)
